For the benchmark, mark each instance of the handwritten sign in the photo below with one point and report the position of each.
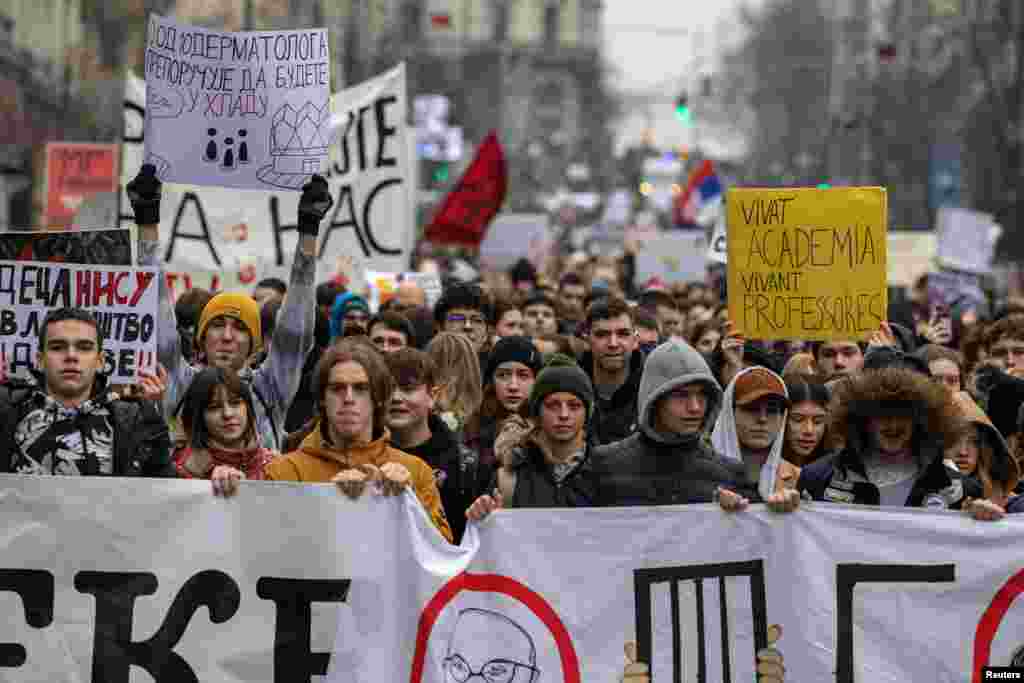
(807, 263)
(244, 110)
(124, 300)
(247, 235)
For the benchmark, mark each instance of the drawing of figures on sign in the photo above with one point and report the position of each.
(241, 110)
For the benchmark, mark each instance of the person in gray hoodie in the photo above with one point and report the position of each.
(668, 460)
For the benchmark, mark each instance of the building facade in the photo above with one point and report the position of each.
(529, 69)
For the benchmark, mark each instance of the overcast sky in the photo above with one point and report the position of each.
(660, 50)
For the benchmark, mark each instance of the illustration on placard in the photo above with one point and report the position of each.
(229, 149)
(165, 103)
(298, 145)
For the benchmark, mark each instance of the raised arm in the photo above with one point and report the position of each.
(144, 192)
(280, 375)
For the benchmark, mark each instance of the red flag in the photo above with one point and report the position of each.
(475, 200)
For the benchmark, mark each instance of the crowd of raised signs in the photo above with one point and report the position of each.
(569, 387)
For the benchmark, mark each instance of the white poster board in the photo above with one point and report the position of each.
(124, 301)
(966, 239)
(673, 257)
(512, 236)
(247, 109)
(239, 236)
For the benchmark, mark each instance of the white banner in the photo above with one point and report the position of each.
(112, 591)
(124, 301)
(247, 109)
(240, 236)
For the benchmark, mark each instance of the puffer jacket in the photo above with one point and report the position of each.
(656, 468)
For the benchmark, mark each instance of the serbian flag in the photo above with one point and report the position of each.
(475, 200)
(702, 188)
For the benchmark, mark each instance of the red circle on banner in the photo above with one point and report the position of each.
(990, 620)
(494, 583)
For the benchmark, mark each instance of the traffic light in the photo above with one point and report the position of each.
(824, 186)
(683, 108)
(440, 175)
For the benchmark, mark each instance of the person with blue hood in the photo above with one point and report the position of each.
(668, 460)
(350, 315)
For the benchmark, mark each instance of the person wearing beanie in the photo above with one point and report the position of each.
(544, 460)
(668, 460)
(350, 315)
(228, 332)
(509, 375)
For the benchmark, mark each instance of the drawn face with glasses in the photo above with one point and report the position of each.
(468, 322)
(488, 647)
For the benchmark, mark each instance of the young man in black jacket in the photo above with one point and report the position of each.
(614, 365)
(417, 430)
(68, 423)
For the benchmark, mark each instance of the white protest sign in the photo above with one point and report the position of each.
(861, 594)
(244, 235)
(678, 256)
(246, 110)
(124, 301)
(718, 250)
(911, 254)
(512, 236)
(966, 239)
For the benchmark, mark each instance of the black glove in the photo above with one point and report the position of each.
(314, 205)
(144, 194)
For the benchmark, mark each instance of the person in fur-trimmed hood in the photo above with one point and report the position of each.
(895, 424)
(544, 461)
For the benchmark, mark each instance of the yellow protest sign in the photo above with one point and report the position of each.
(805, 263)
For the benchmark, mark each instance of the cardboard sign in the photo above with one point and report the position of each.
(242, 236)
(124, 300)
(113, 247)
(806, 263)
(674, 257)
(246, 110)
(74, 172)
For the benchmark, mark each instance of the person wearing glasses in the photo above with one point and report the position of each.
(465, 309)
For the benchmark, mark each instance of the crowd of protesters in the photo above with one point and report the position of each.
(565, 388)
